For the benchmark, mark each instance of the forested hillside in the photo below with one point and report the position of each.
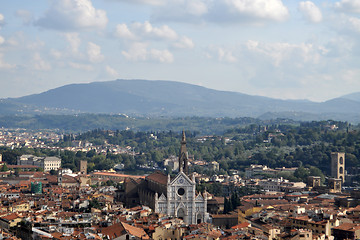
(306, 145)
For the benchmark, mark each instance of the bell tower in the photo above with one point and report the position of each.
(183, 156)
(338, 165)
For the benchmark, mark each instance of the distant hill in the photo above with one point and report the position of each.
(352, 96)
(172, 99)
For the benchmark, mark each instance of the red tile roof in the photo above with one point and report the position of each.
(11, 216)
(137, 232)
(158, 177)
(113, 231)
(348, 227)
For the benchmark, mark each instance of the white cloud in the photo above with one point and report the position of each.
(230, 11)
(35, 45)
(347, 25)
(146, 30)
(196, 7)
(149, 2)
(70, 15)
(2, 40)
(2, 20)
(354, 24)
(279, 53)
(348, 6)
(226, 56)
(40, 64)
(25, 15)
(3, 64)
(94, 53)
(74, 41)
(56, 54)
(139, 52)
(111, 72)
(183, 10)
(81, 66)
(263, 9)
(136, 52)
(310, 12)
(122, 31)
(163, 56)
(184, 42)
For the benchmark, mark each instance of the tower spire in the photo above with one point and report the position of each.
(183, 156)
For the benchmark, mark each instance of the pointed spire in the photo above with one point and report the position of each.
(183, 155)
(183, 140)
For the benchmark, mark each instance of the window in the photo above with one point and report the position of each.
(181, 191)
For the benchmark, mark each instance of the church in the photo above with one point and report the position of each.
(174, 197)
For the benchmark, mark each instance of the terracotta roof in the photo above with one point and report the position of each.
(241, 225)
(69, 179)
(224, 216)
(113, 231)
(11, 216)
(39, 175)
(302, 218)
(348, 227)
(22, 166)
(52, 178)
(219, 200)
(137, 232)
(104, 174)
(158, 177)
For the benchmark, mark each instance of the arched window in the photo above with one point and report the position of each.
(341, 170)
(341, 160)
(181, 213)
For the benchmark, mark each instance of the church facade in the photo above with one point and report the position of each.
(182, 201)
(177, 196)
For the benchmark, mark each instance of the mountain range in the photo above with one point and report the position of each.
(175, 99)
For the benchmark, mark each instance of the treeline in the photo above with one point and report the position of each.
(276, 144)
(86, 122)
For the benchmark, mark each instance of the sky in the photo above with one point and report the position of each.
(282, 49)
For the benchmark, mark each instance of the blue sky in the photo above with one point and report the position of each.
(281, 49)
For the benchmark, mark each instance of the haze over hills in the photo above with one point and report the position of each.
(175, 99)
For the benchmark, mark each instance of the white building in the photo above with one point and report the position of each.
(175, 197)
(46, 163)
(182, 202)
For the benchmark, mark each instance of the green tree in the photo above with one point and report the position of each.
(4, 168)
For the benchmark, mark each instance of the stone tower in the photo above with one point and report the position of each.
(334, 185)
(338, 165)
(183, 156)
(60, 176)
(314, 181)
(83, 167)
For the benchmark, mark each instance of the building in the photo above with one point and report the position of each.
(347, 231)
(314, 181)
(335, 185)
(172, 162)
(83, 167)
(46, 163)
(174, 197)
(338, 165)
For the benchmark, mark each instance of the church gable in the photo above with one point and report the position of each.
(162, 197)
(181, 180)
(199, 197)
